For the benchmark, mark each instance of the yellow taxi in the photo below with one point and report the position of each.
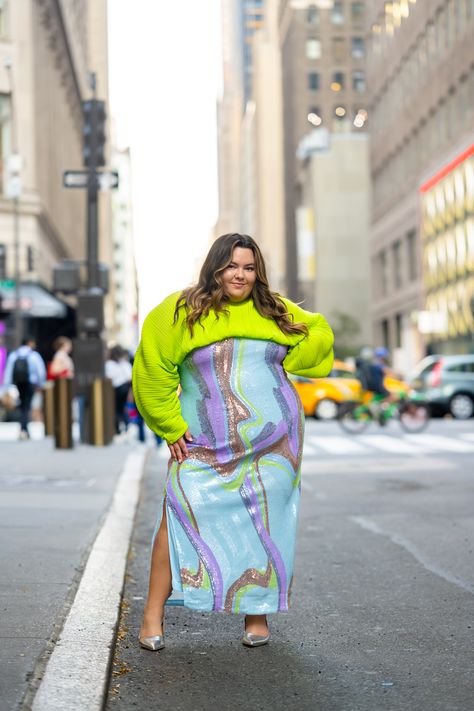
(321, 397)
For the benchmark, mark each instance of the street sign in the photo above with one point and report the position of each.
(107, 180)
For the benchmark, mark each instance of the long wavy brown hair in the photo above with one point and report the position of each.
(209, 292)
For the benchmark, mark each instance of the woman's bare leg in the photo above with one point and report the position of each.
(257, 624)
(159, 588)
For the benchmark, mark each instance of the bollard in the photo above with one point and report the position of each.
(48, 409)
(102, 412)
(63, 413)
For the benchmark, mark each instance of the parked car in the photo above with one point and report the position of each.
(447, 383)
(321, 397)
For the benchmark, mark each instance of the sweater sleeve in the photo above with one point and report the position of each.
(313, 355)
(155, 372)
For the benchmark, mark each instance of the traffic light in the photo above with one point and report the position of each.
(94, 133)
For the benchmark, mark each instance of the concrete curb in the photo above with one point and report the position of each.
(77, 672)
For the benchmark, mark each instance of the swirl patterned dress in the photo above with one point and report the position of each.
(232, 506)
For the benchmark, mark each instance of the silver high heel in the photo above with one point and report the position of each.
(254, 640)
(153, 644)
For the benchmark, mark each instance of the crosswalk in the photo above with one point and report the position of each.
(398, 444)
(330, 445)
(319, 443)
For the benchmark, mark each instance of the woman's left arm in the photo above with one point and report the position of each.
(313, 355)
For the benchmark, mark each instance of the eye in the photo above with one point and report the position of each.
(250, 268)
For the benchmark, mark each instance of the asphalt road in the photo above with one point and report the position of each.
(382, 613)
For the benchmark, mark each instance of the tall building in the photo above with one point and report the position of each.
(123, 263)
(421, 79)
(250, 130)
(333, 227)
(47, 50)
(323, 66)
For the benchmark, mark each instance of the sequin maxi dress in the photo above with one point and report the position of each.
(232, 506)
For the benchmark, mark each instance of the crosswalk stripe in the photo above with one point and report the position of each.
(440, 442)
(469, 436)
(338, 445)
(391, 444)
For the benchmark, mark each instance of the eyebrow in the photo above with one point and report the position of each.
(249, 264)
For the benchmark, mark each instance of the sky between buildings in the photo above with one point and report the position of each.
(165, 76)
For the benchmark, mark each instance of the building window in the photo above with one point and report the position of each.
(313, 48)
(398, 331)
(412, 255)
(385, 334)
(3, 262)
(5, 128)
(315, 116)
(383, 273)
(338, 81)
(337, 13)
(313, 15)
(358, 49)
(397, 264)
(30, 259)
(357, 12)
(358, 80)
(338, 49)
(314, 81)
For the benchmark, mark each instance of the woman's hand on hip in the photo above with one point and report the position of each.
(179, 450)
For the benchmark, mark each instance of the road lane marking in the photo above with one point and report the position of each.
(405, 543)
(440, 442)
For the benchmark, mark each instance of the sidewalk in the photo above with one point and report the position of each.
(52, 506)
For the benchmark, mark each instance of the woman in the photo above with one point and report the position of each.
(119, 370)
(61, 365)
(226, 537)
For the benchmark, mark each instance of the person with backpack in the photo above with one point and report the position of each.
(25, 369)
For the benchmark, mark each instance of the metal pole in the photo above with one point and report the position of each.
(16, 250)
(18, 327)
(92, 230)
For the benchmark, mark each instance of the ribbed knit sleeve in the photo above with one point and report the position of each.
(155, 372)
(313, 355)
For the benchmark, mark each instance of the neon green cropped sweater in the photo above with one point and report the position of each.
(164, 345)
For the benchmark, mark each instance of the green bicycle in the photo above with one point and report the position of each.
(409, 411)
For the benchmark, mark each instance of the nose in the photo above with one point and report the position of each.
(239, 273)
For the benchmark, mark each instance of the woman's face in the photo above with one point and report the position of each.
(239, 277)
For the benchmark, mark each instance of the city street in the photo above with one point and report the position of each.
(52, 506)
(382, 600)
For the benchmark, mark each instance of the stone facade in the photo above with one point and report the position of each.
(46, 54)
(421, 79)
(323, 67)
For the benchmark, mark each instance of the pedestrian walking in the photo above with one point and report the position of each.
(25, 369)
(226, 536)
(61, 366)
(119, 370)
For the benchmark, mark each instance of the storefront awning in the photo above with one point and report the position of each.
(35, 301)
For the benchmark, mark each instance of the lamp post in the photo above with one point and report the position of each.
(13, 190)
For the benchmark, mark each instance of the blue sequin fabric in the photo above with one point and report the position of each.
(232, 505)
